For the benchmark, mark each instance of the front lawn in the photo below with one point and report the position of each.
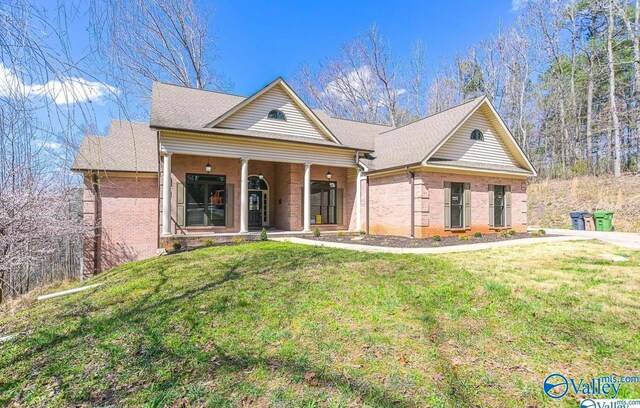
(277, 324)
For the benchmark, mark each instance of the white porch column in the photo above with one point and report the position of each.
(166, 195)
(358, 200)
(307, 198)
(244, 196)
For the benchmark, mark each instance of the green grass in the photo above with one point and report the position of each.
(275, 324)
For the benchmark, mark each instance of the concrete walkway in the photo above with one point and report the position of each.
(623, 239)
(437, 250)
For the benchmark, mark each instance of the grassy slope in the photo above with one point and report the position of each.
(281, 324)
(550, 201)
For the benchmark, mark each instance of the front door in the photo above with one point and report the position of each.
(256, 207)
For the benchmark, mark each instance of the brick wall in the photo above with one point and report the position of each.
(287, 200)
(390, 211)
(129, 219)
(389, 205)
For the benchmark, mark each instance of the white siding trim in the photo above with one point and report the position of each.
(304, 111)
(254, 117)
(461, 147)
(499, 131)
(200, 145)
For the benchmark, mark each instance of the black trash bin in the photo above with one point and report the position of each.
(577, 220)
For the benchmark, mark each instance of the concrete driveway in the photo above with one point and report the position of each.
(623, 239)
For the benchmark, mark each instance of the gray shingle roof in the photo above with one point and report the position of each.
(411, 143)
(350, 132)
(177, 107)
(129, 146)
(132, 146)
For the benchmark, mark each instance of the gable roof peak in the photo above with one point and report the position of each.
(279, 81)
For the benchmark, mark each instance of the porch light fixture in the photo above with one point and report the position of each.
(207, 168)
(260, 176)
(328, 175)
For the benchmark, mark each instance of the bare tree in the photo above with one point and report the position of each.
(417, 80)
(362, 82)
(442, 94)
(40, 226)
(633, 31)
(615, 123)
(155, 40)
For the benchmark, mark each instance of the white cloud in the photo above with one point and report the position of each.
(10, 84)
(65, 91)
(51, 145)
(360, 82)
(518, 4)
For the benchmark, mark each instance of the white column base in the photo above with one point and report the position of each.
(166, 195)
(244, 196)
(306, 211)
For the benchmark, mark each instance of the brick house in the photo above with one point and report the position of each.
(211, 165)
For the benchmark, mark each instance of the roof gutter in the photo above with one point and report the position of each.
(394, 168)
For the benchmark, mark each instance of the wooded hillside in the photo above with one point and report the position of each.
(565, 77)
(551, 200)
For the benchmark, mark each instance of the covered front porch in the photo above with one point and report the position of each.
(216, 198)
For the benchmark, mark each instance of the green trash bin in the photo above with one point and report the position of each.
(604, 220)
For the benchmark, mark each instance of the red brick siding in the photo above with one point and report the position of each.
(129, 219)
(390, 203)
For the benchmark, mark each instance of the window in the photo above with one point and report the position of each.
(256, 183)
(277, 114)
(205, 200)
(498, 206)
(477, 135)
(323, 202)
(457, 205)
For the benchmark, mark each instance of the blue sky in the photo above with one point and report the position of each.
(260, 40)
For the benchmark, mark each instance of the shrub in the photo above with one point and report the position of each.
(512, 232)
(207, 242)
(238, 240)
(542, 232)
(176, 246)
(478, 235)
(464, 237)
(437, 238)
(340, 234)
(536, 234)
(263, 234)
(503, 234)
(316, 232)
(363, 232)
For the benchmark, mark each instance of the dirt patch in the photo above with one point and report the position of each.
(550, 201)
(405, 242)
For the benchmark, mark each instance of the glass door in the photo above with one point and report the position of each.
(255, 209)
